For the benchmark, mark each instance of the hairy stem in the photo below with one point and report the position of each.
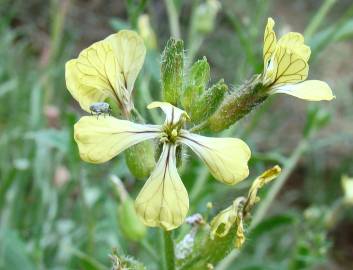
(238, 104)
(168, 247)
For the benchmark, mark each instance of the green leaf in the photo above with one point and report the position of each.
(59, 139)
(13, 254)
(272, 223)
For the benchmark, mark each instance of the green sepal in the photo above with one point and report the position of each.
(114, 106)
(196, 84)
(208, 102)
(172, 71)
(140, 159)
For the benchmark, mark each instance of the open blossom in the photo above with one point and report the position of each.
(163, 201)
(107, 69)
(286, 67)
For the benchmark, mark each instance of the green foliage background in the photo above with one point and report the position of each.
(57, 212)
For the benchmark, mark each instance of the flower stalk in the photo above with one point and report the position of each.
(168, 248)
(238, 104)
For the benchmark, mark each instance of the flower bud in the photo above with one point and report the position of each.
(140, 159)
(198, 79)
(172, 70)
(129, 223)
(146, 31)
(205, 16)
(208, 103)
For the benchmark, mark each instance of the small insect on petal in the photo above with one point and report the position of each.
(99, 108)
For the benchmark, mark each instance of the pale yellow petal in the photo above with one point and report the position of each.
(88, 83)
(347, 186)
(269, 41)
(295, 41)
(163, 201)
(173, 114)
(226, 158)
(240, 236)
(258, 183)
(129, 51)
(312, 90)
(99, 140)
(107, 68)
(224, 220)
(221, 224)
(288, 67)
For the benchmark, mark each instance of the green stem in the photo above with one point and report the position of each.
(279, 183)
(194, 46)
(333, 33)
(244, 39)
(88, 259)
(197, 188)
(318, 18)
(168, 246)
(137, 114)
(173, 18)
(238, 104)
(150, 250)
(199, 127)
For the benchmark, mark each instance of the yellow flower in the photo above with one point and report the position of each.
(107, 69)
(163, 201)
(286, 67)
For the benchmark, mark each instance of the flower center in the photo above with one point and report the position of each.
(170, 134)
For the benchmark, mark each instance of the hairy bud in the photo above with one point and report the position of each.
(172, 70)
(140, 159)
